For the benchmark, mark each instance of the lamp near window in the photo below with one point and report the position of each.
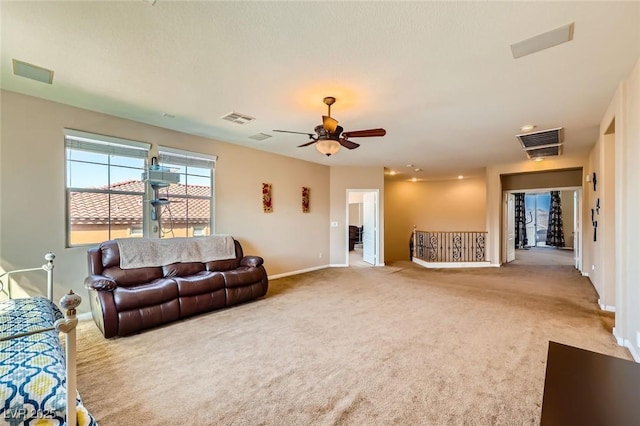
(328, 147)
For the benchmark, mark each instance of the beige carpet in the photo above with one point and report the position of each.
(355, 346)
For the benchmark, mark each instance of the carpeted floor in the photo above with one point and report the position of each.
(353, 346)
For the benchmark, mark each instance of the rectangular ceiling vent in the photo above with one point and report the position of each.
(550, 151)
(260, 136)
(543, 41)
(236, 117)
(33, 72)
(545, 143)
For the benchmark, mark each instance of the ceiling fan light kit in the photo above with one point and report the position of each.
(329, 135)
(328, 147)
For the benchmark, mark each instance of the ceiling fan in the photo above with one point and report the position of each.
(329, 136)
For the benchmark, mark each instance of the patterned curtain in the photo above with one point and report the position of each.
(521, 226)
(555, 232)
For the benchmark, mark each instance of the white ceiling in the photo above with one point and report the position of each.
(438, 76)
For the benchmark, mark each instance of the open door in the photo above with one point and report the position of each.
(369, 227)
(511, 227)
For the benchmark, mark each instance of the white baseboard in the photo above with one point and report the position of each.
(300, 271)
(338, 265)
(606, 307)
(454, 264)
(584, 274)
(619, 339)
(632, 349)
(627, 344)
(85, 316)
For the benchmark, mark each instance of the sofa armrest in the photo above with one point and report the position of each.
(99, 282)
(252, 261)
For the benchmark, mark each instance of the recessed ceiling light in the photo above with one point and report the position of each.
(164, 114)
(460, 177)
(528, 127)
(417, 170)
(392, 172)
(32, 72)
(409, 165)
(414, 180)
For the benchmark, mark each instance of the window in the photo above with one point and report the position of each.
(104, 188)
(189, 210)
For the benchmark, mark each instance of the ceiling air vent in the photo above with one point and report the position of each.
(545, 143)
(236, 117)
(260, 136)
(550, 151)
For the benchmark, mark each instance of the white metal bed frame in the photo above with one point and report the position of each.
(67, 325)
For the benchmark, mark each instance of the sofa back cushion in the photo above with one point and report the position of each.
(222, 265)
(182, 269)
(124, 277)
(132, 277)
(226, 265)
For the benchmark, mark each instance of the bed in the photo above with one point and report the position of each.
(36, 368)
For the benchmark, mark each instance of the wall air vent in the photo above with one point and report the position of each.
(260, 136)
(238, 118)
(545, 143)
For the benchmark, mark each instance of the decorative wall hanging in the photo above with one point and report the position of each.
(305, 199)
(267, 205)
(594, 180)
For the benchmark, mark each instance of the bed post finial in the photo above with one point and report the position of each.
(49, 268)
(70, 302)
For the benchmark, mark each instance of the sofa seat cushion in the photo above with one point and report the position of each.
(243, 275)
(200, 283)
(154, 293)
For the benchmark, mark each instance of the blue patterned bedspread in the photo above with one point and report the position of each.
(32, 368)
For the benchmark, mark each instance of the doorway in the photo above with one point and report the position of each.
(532, 238)
(362, 227)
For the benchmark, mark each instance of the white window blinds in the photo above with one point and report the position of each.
(75, 139)
(185, 158)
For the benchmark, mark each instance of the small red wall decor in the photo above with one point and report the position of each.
(305, 199)
(267, 205)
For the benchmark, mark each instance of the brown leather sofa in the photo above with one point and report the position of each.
(127, 301)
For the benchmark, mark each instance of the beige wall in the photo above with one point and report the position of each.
(627, 206)
(342, 179)
(33, 192)
(625, 110)
(451, 205)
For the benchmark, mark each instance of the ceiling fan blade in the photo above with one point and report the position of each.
(348, 144)
(298, 133)
(308, 143)
(338, 131)
(329, 123)
(365, 133)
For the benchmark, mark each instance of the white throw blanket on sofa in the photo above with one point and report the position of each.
(148, 252)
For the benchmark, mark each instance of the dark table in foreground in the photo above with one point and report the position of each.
(587, 388)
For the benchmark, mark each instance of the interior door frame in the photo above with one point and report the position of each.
(510, 226)
(503, 229)
(376, 231)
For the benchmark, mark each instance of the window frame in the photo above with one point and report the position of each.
(112, 147)
(168, 157)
